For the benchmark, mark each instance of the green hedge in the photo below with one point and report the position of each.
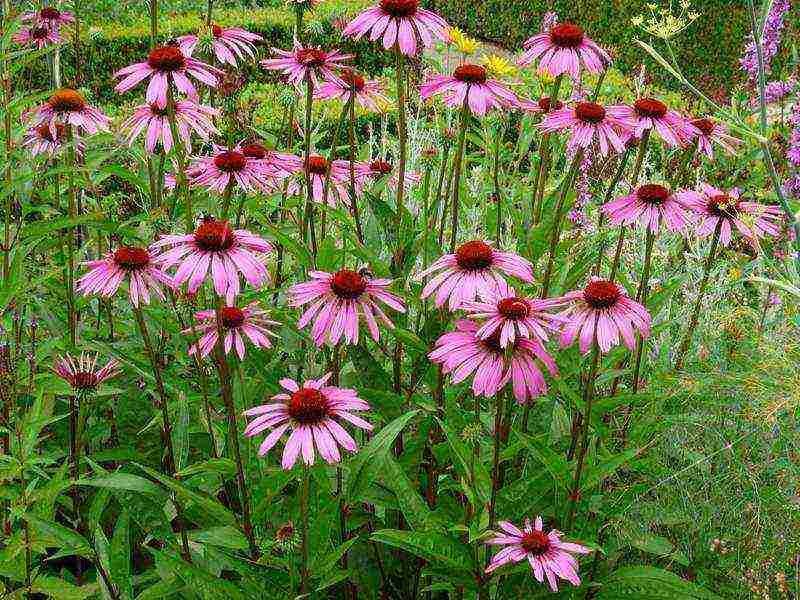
(111, 47)
(709, 49)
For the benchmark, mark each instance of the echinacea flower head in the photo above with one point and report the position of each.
(238, 324)
(712, 132)
(588, 122)
(367, 93)
(154, 121)
(317, 168)
(37, 36)
(565, 48)
(547, 555)
(42, 140)
(339, 301)
(603, 307)
(470, 84)
(652, 205)
(277, 164)
(542, 106)
(214, 245)
(49, 17)
(377, 169)
(307, 63)
(399, 22)
(227, 43)
(463, 354)
(69, 107)
(82, 374)
(229, 167)
(510, 316)
(165, 65)
(131, 263)
(311, 414)
(474, 271)
(651, 114)
(726, 210)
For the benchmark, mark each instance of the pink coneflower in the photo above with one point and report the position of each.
(126, 262)
(42, 140)
(475, 270)
(462, 353)
(37, 36)
(605, 306)
(82, 374)
(312, 414)
(469, 84)
(399, 22)
(368, 93)
(317, 172)
(68, 107)
(49, 17)
(338, 301)
(542, 106)
(303, 63)
(228, 167)
(726, 209)
(711, 132)
(548, 556)
(188, 116)
(237, 323)
(564, 49)
(278, 164)
(215, 245)
(652, 205)
(165, 64)
(586, 122)
(377, 169)
(227, 44)
(649, 113)
(510, 316)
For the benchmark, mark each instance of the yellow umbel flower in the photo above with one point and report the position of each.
(462, 41)
(499, 66)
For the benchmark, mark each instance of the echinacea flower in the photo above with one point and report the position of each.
(543, 105)
(69, 107)
(510, 316)
(469, 84)
(82, 373)
(339, 301)
(399, 22)
(547, 555)
(604, 307)
(726, 210)
(237, 324)
(474, 270)
(42, 140)
(277, 164)
(311, 414)
(462, 353)
(713, 132)
(155, 121)
(126, 262)
(216, 246)
(317, 167)
(49, 17)
(648, 114)
(228, 43)
(587, 122)
(166, 64)
(565, 48)
(228, 167)
(37, 36)
(652, 205)
(377, 169)
(306, 63)
(367, 93)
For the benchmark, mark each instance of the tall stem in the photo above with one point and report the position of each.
(601, 215)
(687, 340)
(498, 431)
(402, 134)
(308, 219)
(153, 23)
(71, 194)
(304, 575)
(351, 138)
(457, 162)
(10, 191)
(496, 183)
(74, 464)
(544, 156)
(182, 187)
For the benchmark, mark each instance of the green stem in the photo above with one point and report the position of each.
(182, 187)
(9, 143)
(308, 219)
(402, 134)
(304, 574)
(457, 162)
(601, 215)
(71, 194)
(496, 183)
(351, 138)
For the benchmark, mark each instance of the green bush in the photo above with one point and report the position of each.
(709, 49)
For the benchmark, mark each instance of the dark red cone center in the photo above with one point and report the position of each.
(213, 236)
(43, 131)
(590, 112)
(470, 73)
(231, 317)
(566, 35)
(39, 33)
(601, 294)
(317, 165)
(157, 110)
(231, 161)
(650, 107)
(67, 100)
(474, 255)
(706, 126)
(492, 343)
(255, 151)
(380, 167)
(513, 308)
(84, 380)
(652, 193)
(311, 57)
(50, 13)
(166, 58)
(216, 30)
(548, 105)
(308, 406)
(131, 258)
(535, 542)
(353, 80)
(723, 206)
(400, 8)
(348, 284)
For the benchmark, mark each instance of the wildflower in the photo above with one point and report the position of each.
(37, 36)
(237, 324)
(167, 64)
(368, 93)
(473, 271)
(49, 17)
(311, 414)
(543, 105)
(82, 374)
(278, 164)
(652, 205)
(317, 167)
(499, 66)
(649, 113)
(470, 84)
(548, 556)
(586, 122)
(135, 264)
(378, 169)
(303, 63)
(770, 41)
(709, 132)
(399, 22)
(462, 42)
(155, 121)
(338, 301)
(227, 44)
(228, 168)
(42, 140)
(69, 107)
(565, 48)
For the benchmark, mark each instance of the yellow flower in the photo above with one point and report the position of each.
(499, 66)
(463, 42)
(735, 273)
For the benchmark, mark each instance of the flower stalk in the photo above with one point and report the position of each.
(601, 216)
(402, 134)
(457, 163)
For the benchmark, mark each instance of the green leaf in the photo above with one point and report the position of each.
(436, 548)
(58, 589)
(221, 466)
(461, 459)
(413, 507)
(224, 537)
(650, 583)
(124, 482)
(203, 584)
(57, 536)
(120, 559)
(554, 463)
(324, 563)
